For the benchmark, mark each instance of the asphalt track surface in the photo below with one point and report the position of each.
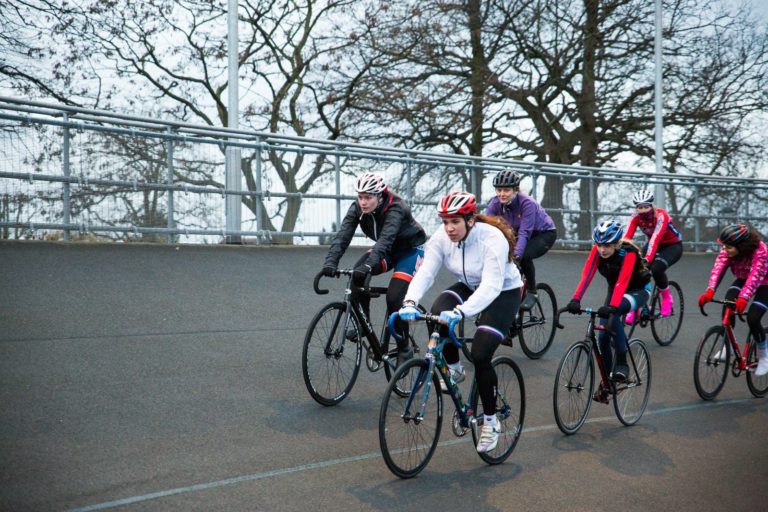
(139, 377)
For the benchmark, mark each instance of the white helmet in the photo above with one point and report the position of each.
(643, 197)
(370, 183)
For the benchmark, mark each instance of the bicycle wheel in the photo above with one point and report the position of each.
(538, 324)
(631, 396)
(709, 372)
(758, 386)
(665, 328)
(408, 437)
(574, 385)
(510, 409)
(329, 362)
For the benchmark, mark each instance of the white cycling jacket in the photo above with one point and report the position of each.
(480, 262)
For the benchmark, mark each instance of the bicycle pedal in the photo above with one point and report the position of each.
(601, 395)
(508, 341)
(372, 363)
(458, 429)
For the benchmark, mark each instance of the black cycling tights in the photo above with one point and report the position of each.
(756, 309)
(537, 246)
(492, 324)
(666, 256)
(396, 291)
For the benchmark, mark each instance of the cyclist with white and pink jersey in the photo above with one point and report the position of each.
(747, 256)
(664, 247)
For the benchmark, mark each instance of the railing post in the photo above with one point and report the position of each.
(66, 170)
(169, 181)
(592, 205)
(232, 199)
(696, 219)
(476, 175)
(337, 172)
(259, 192)
(745, 202)
(408, 182)
(534, 178)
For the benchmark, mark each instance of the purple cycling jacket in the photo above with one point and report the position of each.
(525, 216)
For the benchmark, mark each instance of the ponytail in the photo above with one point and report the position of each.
(747, 247)
(500, 224)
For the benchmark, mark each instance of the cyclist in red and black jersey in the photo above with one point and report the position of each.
(664, 247)
(620, 263)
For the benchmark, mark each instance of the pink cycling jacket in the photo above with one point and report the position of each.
(754, 270)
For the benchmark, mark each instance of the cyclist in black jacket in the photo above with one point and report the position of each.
(385, 218)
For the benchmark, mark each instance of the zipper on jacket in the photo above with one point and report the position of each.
(463, 266)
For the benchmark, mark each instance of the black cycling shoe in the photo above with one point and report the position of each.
(620, 372)
(351, 334)
(528, 301)
(404, 355)
(509, 338)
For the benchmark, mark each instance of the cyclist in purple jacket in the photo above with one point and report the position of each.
(535, 229)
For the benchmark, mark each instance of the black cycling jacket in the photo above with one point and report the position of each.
(391, 225)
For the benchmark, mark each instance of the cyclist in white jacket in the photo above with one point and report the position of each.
(478, 250)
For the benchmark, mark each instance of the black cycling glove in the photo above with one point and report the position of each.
(360, 273)
(574, 306)
(606, 311)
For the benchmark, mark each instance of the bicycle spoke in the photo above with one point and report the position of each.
(631, 397)
(407, 435)
(330, 363)
(709, 373)
(537, 327)
(572, 396)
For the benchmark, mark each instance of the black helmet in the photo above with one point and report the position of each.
(506, 179)
(734, 234)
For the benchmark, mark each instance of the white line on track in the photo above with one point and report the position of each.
(333, 462)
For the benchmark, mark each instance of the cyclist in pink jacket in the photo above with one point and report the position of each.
(747, 256)
(664, 247)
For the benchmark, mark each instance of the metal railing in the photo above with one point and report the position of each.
(67, 170)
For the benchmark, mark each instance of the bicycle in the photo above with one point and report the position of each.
(574, 383)
(710, 367)
(410, 422)
(663, 328)
(538, 320)
(329, 367)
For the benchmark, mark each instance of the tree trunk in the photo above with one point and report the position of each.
(478, 85)
(587, 108)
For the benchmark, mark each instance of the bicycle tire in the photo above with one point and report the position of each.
(631, 396)
(329, 372)
(758, 386)
(407, 443)
(666, 328)
(709, 373)
(574, 386)
(510, 409)
(539, 322)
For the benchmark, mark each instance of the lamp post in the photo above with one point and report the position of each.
(658, 109)
(232, 154)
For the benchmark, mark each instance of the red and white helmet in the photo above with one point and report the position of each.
(370, 183)
(457, 204)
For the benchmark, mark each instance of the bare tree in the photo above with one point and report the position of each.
(566, 82)
(173, 56)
